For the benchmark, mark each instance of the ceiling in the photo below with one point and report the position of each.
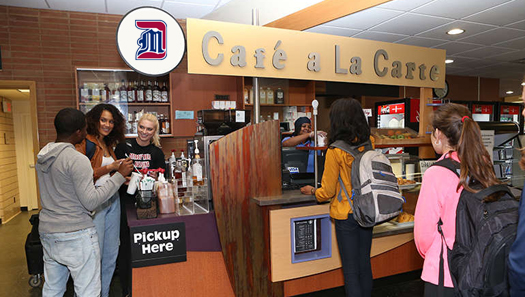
(493, 44)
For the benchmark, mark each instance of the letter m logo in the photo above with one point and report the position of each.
(152, 41)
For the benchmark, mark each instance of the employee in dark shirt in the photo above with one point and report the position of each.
(303, 137)
(145, 153)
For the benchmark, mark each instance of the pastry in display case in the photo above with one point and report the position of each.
(132, 93)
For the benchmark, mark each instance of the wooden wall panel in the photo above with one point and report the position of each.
(9, 197)
(403, 258)
(244, 164)
(196, 92)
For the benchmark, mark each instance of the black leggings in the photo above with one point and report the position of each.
(354, 244)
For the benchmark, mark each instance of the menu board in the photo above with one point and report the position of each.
(305, 236)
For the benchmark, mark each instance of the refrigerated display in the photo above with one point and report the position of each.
(399, 113)
(483, 111)
(510, 112)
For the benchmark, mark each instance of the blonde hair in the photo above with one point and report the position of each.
(152, 118)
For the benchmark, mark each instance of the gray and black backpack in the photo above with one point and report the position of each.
(375, 193)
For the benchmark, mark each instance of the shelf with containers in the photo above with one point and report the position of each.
(132, 93)
(280, 99)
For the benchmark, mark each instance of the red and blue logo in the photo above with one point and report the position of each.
(152, 41)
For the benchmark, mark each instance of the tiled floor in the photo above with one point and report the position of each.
(14, 276)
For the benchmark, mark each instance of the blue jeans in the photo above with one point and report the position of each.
(354, 244)
(73, 252)
(107, 223)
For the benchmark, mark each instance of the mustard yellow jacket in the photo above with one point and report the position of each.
(337, 162)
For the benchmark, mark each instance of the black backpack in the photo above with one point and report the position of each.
(485, 232)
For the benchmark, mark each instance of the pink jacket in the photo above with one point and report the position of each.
(438, 198)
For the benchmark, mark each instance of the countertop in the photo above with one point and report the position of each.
(287, 197)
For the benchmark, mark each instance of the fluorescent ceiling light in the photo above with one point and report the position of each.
(23, 90)
(509, 92)
(448, 61)
(455, 31)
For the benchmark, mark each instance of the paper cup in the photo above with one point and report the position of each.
(410, 170)
(133, 183)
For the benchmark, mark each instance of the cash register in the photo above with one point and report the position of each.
(294, 168)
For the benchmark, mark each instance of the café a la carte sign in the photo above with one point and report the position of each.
(242, 50)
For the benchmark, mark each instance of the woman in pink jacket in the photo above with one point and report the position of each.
(455, 136)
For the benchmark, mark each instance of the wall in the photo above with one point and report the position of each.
(9, 196)
(46, 45)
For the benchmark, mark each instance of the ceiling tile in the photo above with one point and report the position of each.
(97, 6)
(456, 9)
(365, 19)
(379, 36)
(26, 3)
(333, 30)
(518, 43)
(424, 42)
(501, 15)
(410, 24)
(240, 11)
(125, 6)
(509, 57)
(404, 5)
(453, 48)
(494, 36)
(184, 10)
(485, 52)
(470, 29)
(517, 25)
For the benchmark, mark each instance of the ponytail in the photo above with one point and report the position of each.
(464, 136)
(475, 159)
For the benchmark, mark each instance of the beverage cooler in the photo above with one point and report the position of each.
(399, 113)
(510, 112)
(484, 111)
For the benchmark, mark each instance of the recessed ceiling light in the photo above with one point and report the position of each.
(448, 61)
(455, 31)
(23, 90)
(523, 83)
(509, 92)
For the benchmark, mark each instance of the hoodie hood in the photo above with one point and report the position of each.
(49, 153)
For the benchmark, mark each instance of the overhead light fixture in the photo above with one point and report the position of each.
(509, 92)
(523, 83)
(455, 31)
(23, 90)
(448, 61)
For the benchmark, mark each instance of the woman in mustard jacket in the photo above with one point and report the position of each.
(347, 123)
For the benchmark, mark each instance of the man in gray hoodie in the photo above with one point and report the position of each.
(68, 195)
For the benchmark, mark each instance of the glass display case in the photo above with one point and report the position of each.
(132, 93)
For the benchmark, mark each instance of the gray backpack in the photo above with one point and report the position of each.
(375, 193)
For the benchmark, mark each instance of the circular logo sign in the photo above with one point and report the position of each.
(150, 41)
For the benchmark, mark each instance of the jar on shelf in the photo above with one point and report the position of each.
(262, 96)
(269, 96)
(246, 96)
(279, 96)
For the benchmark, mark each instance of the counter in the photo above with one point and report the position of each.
(254, 219)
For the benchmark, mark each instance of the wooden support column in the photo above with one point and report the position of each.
(425, 97)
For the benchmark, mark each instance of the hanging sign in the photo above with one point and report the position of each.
(150, 41)
(242, 50)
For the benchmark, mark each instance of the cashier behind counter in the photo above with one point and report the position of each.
(303, 137)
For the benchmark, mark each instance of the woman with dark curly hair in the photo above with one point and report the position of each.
(348, 126)
(105, 128)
